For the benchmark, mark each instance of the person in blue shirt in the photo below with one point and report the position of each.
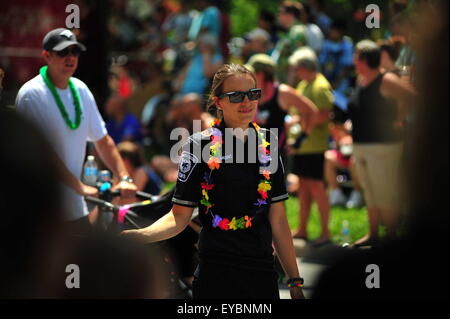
(142, 173)
(207, 20)
(322, 19)
(336, 57)
(196, 76)
(121, 124)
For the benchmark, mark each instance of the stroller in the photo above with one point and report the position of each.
(180, 252)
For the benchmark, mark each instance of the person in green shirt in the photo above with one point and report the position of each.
(294, 37)
(309, 158)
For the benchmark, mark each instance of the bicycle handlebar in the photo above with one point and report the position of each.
(115, 208)
(99, 201)
(106, 195)
(139, 194)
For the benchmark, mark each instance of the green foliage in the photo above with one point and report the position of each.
(244, 15)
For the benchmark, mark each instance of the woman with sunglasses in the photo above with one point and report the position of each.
(240, 202)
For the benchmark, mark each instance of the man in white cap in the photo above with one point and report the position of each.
(256, 41)
(65, 109)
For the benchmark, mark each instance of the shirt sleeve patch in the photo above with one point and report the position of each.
(186, 166)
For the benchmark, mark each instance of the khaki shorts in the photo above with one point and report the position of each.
(378, 168)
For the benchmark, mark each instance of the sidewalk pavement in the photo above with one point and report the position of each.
(310, 272)
(312, 261)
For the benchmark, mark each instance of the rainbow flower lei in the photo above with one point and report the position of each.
(214, 164)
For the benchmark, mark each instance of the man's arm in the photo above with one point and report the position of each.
(288, 96)
(108, 152)
(394, 87)
(110, 156)
(324, 101)
(322, 117)
(72, 181)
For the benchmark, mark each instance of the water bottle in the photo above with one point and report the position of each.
(104, 180)
(90, 171)
(345, 233)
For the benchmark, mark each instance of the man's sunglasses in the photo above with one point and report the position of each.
(239, 96)
(75, 51)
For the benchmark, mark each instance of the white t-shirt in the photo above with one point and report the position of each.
(36, 102)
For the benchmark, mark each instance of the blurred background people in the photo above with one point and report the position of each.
(314, 36)
(424, 244)
(267, 21)
(144, 176)
(322, 19)
(389, 52)
(308, 162)
(276, 100)
(336, 57)
(377, 147)
(339, 159)
(121, 124)
(207, 20)
(197, 74)
(401, 26)
(293, 37)
(256, 41)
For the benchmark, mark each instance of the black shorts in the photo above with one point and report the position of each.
(309, 165)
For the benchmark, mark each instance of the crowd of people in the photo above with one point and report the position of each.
(299, 50)
(336, 105)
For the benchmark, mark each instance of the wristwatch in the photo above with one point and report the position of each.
(127, 179)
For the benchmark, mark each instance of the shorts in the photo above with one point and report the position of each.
(309, 165)
(378, 168)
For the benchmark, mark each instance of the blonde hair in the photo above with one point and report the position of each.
(221, 75)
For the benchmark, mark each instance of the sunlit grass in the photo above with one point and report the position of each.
(357, 218)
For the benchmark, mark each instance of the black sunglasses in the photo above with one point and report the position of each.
(75, 51)
(239, 96)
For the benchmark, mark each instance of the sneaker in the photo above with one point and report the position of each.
(337, 198)
(355, 200)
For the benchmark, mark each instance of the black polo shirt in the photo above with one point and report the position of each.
(234, 194)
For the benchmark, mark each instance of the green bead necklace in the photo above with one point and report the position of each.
(61, 107)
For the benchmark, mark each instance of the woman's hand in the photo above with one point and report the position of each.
(127, 190)
(297, 293)
(86, 190)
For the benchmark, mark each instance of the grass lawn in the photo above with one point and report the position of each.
(357, 219)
